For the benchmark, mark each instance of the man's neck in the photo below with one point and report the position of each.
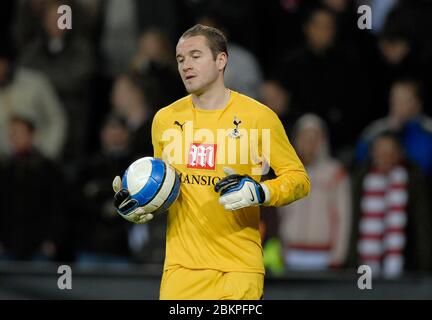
(213, 98)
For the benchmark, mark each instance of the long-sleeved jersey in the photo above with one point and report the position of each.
(245, 136)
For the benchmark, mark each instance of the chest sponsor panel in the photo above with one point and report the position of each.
(202, 156)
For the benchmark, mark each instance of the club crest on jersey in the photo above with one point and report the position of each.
(202, 156)
(235, 133)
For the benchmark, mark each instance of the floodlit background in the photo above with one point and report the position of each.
(76, 108)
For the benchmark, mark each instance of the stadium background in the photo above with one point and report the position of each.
(76, 108)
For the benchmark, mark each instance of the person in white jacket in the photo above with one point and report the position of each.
(29, 94)
(314, 231)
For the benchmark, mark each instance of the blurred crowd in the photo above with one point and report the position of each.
(76, 107)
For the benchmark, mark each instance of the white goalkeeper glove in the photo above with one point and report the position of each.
(240, 191)
(126, 206)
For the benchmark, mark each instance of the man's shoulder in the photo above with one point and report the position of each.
(177, 106)
(252, 104)
(257, 110)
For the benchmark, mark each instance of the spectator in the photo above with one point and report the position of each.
(398, 57)
(30, 94)
(321, 77)
(408, 24)
(28, 18)
(27, 22)
(349, 34)
(405, 117)
(128, 99)
(315, 231)
(154, 62)
(119, 35)
(277, 98)
(412, 17)
(66, 59)
(391, 219)
(102, 234)
(31, 218)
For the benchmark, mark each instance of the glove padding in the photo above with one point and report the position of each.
(239, 191)
(126, 206)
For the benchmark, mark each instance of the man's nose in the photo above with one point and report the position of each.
(186, 65)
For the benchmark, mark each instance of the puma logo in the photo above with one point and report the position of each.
(179, 124)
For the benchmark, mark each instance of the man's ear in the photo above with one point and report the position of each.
(222, 60)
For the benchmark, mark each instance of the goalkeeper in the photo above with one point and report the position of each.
(213, 248)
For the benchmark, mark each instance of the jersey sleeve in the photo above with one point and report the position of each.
(291, 182)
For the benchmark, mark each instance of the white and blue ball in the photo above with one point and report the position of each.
(154, 184)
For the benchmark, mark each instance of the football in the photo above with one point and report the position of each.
(153, 183)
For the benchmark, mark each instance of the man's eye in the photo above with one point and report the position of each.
(196, 57)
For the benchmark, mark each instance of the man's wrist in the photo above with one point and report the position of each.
(266, 194)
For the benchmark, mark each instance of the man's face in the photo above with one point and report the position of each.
(394, 51)
(275, 96)
(151, 46)
(20, 137)
(385, 154)
(404, 104)
(197, 67)
(114, 137)
(309, 142)
(321, 29)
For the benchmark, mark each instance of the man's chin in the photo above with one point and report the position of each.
(194, 90)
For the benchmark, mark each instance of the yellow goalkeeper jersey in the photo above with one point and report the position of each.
(245, 136)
